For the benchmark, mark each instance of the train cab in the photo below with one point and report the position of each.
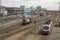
(45, 29)
(26, 19)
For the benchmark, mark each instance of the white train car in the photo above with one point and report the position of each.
(46, 28)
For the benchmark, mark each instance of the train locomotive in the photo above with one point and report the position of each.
(46, 28)
(26, 19)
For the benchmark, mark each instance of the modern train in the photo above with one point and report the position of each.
(26, 19)
(46, 28)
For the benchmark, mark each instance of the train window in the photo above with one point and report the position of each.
(23, 16)
(46, 27)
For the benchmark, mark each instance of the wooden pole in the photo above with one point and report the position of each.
(34, 27)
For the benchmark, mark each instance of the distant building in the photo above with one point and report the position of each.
(30, 10)
(13, 10)
(3, 10)
(43, 10)
(51, 12)
(22, 7)
(26, 10)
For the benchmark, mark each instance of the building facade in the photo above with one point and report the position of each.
(3, 10)
(13, 10)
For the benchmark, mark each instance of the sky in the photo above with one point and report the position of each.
(49, 4)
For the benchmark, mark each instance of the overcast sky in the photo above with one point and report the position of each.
(49, 4)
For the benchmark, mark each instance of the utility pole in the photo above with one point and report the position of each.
(34, 28)
(0, 3)
(59, 14)
(59, 11)
(2, 11)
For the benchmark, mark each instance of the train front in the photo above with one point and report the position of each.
(26, 19)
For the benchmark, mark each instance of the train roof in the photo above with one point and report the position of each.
(48, 22)
(24, 16)
(45, 25)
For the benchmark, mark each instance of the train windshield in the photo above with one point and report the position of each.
(24, 16)
(46, 27)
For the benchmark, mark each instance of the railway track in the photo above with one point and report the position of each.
(18, 29)
(13, 30)
(43, 37)
(13, 17)
(26, 34)
(9, 21)
(31, 31)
